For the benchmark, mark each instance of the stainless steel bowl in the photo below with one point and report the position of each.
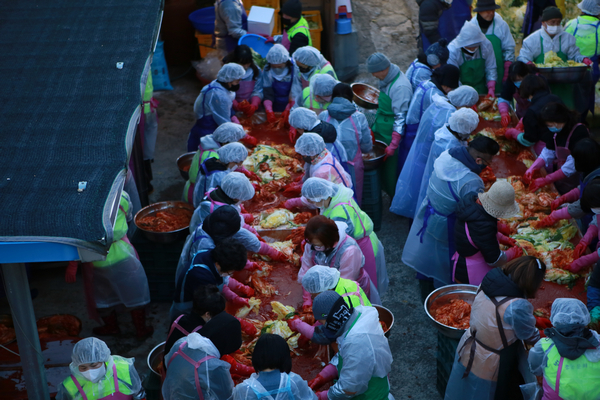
(185, 160)
(386, 316)
(442, 296)
(163, 237)
(377, 161)
(155, 357)
(564, 75)
(361, 101)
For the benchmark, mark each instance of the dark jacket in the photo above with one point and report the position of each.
(580, 132)
(430, 12)
(496, 283)
(534, 130)
(299, 40)
(189, 322)
(213, 164)
(197, 276)
(482, 229)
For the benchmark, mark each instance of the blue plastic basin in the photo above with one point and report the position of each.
(257, 43)
(203, 20)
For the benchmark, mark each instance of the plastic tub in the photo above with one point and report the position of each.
(203, 20)
(257, 43)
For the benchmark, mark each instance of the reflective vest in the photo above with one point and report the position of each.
(585, 30)
(148, 94)
(92, 390)
(348, 290)
(300, 27)
(325, 70)
(119, 249)
(309, 101)
(578, 378)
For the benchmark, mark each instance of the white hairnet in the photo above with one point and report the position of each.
(463, 96)
(278, 55)
(569, 312)
(320, 278)
(322, 84)
(310, 144)
(237, 186)
(317, 189)
(470, 35)
(231, 72)
(232, 152)
(90, 350)
(308, 55)
(590, 7)
(463, 121)
(229, 132)
(303, 118)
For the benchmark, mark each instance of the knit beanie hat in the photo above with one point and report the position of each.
(447, 75)
(332, 307)
(293, 8)
(377, 62)
(437, 53)
(551, 13)
(222, 223)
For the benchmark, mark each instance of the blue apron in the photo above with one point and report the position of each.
(282, 92)
(414, 70)
(273, 393)
(205, 125)
(230, 41)
(451, 21)
(206, 175)
(409, 135)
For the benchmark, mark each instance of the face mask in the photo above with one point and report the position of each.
(304, 70)
(596, 210)
(554, 129)
(234, 88)
(279, 71)
(319, 248)
(552, 30)
(326, 99)
(469, 52)
(232, 168)
(94, 375)
(518, 84)
(307, 159)
(287, 22)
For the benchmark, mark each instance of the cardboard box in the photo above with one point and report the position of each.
(261, 20)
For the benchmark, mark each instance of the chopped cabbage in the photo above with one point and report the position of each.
(559, 276)
(253, 304)
(280, 328)
(276, 219)
(282, 311)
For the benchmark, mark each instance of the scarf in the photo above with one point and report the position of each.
(572, 340)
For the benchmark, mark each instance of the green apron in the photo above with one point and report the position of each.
(472, 73)
(378, 388)
(562, 90)
(383, 128)
(497, 44)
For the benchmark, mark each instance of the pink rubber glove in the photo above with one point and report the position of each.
(293, 203)
(548, 179)
(268, 104)
(568, 197)
(235, 120)
(513, 252)
(272, 252)
(249, 140)
(587, 61)
(507, 65)
(327, 374)
(491, 85)
(391, 148)
(585, 241)
(553, 218)
(290, 105)
(537, 164)
(293, 135)
(512, 133)
(251, 266)
(249, 228)
(71, 272)
(504, 109)
(503, 228)
(520, 125)
(250, 175)
(306, 300)
(240, 288)
(235, 105)
(248, 218)
(254, 104)
(322, 395)
(234, 298)
(505, 240)
(297, 325)
(584, 261)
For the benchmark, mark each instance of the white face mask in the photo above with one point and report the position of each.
(94, 375)
(596, 210)
(553, 30)
(319, 248)
(232, 168)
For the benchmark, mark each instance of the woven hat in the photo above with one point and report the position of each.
(499, 201)
(486, 5)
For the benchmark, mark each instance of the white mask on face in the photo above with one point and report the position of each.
(94, 375)
(596, 210)
(553, 30)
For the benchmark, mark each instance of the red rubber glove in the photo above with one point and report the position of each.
(270, 39)
(513, 252)
(292, 190)
(251, 266)
(243, 105)
(520, 125)
(248, 218)
(249, 174)
(504, 109)
(237, 368)
(530, 63)
(235, 105)
(247, 327)
(503, 228)
(249, 141)
(294, 203)
(294, 322)
(512, 133)
(507, 65)
(327, 374)
(256, 186)
(271, 118)
(491, 85)
(587, 61)
(537, 164)
(322, 395)
(285, 116)
(71, 272)
(553, 218)
(542, 323)
(240, 288)
(590, 234)
(234, 298)
(548, 179)
(568, 197)
(583, 262)
(390, 150)
(505, 240)
(297, 325)
(293, 135)
(254, 104)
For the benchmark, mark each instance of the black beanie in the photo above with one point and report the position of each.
(224, 331)
(293, 8)
(551, 13)
(222, 223)
(326, 131)
(447, 75)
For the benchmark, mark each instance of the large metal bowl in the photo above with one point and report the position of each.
(386, 316)
(359, 90)
(185, 160)
(377, 161)
(155, 357)
(564, 74)
(442, 296)
(163, 237)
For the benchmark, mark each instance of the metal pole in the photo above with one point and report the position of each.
(32, 362)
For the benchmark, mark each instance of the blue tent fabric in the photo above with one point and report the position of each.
(69, 114)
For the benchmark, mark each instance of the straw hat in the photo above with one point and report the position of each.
(499, 201)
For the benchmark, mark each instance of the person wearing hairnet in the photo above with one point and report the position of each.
(517, 71)
(486, 365)
(214, 104)
(407, 197)
(568, 358)
(274, 378)
(309, 62)
(95, 374)
(296, 32)
(249, 96)
(473, 53)
(496, 30)
(277, 79)
(354, 133)
(552, 37)
(426, 62)
(430, 243)
(231, 23)
(321, 278)
(364, 359)
(195, 365)
(336, 202)
(317, 96)
(443, 81)
(228, 132)
(119, 281)
(395, 92)
(585, 30)
(476, 233)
